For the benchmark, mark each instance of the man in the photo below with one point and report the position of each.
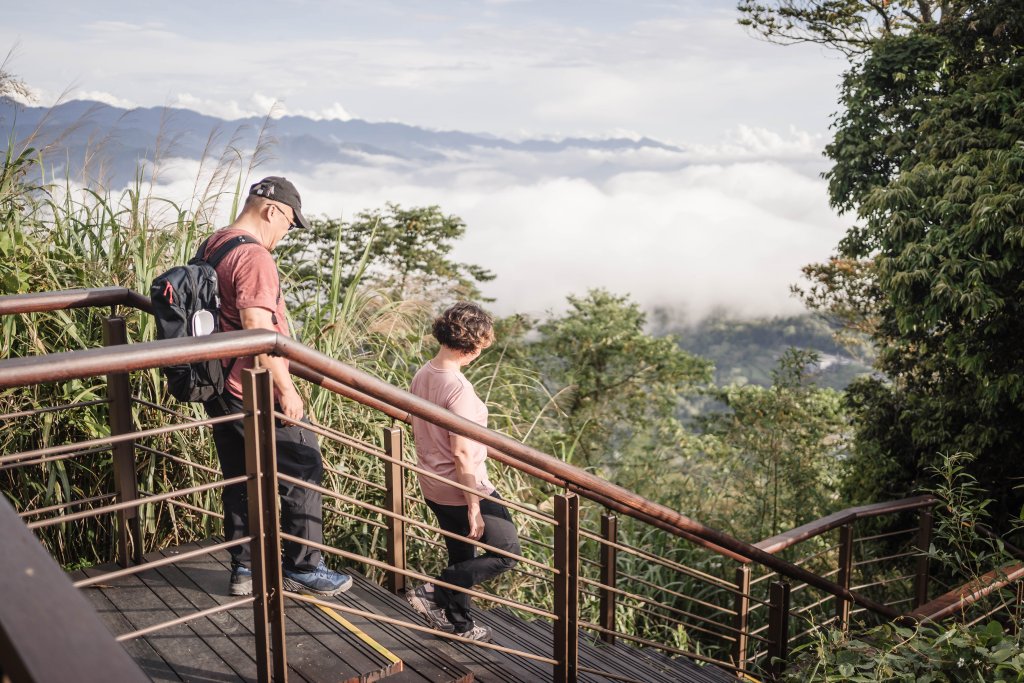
(250, 293)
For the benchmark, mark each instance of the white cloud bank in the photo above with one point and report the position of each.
(726, 227)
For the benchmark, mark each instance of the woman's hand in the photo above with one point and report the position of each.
(476, 523)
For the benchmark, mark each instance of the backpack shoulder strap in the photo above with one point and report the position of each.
(225, 249)
(201, 251)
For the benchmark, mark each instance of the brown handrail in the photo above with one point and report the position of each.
(838, 519)
(145, 355)
(962, 597)
(516, 454)
(73, 298)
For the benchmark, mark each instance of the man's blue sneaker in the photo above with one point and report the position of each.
(241, 580)
(321, 581)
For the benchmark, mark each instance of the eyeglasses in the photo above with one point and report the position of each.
(291, 221)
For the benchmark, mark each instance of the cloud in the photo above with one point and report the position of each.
(674, 71)
(229, 110)
(335, 112)
(694, 231)
(753, 142)
(105, 98)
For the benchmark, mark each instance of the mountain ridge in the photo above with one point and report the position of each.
(144, 132)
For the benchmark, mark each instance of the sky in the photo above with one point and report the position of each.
(724, 223)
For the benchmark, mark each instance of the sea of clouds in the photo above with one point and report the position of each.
(702, 229)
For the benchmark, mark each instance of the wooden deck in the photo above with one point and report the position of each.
(329, 645)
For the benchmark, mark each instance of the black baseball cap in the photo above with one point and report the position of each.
(281, 190)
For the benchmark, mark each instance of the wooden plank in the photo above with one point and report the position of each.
(183, 597)
(315, 639)
(318, 649)
(422, 659)
(211, 578)
(356, 663)
(491, 665)
(180, 647)
(148, 659)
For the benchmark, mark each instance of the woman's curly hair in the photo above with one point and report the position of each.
(464, 327)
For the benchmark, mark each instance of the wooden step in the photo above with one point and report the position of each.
(335, 644)
(222, 646)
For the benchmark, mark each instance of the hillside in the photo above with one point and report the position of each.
(746, 351)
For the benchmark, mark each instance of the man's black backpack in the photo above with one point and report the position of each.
(186, 303)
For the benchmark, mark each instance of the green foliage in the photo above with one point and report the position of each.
(403, 252)
(929, 152)
(777, 450)
(925, 654)
(987, 646)
(611, 380)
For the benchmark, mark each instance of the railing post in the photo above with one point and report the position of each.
(924, 539)
(739, 648)
(845, 570)
(126, 484)
(778, 628)
(609, 575)
(264, 525)
(567, 547)
(394, 480)
(1018, 607)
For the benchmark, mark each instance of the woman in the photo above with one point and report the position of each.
(464, 330)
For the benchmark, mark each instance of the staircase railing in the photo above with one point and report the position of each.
(715, 616)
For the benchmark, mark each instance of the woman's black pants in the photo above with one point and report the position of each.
(465, 568)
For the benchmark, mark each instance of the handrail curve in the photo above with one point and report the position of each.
(961, 597)
(837, 519)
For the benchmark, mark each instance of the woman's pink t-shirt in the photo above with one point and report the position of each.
(449, 389)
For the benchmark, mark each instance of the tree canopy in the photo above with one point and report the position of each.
(928, 154)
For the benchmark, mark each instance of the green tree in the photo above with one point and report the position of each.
(404, 252)
(929, 154)
(777, 450)
(851, 26)
(611, 381)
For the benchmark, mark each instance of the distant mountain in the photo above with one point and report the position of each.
(747, 351)
(122, 137)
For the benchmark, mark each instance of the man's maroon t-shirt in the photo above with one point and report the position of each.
(247, 279)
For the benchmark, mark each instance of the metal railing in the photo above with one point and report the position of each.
(737, 610)
(891, 566)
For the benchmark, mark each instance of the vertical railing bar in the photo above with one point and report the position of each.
(254, 494)
(742, 622)
(559, 634)
(394, 480)
(609, 575)
(262, 410)
(126, 487)
(573, 592)
(924, 540)
(845, 571)
(272, 525)
(778, 628)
